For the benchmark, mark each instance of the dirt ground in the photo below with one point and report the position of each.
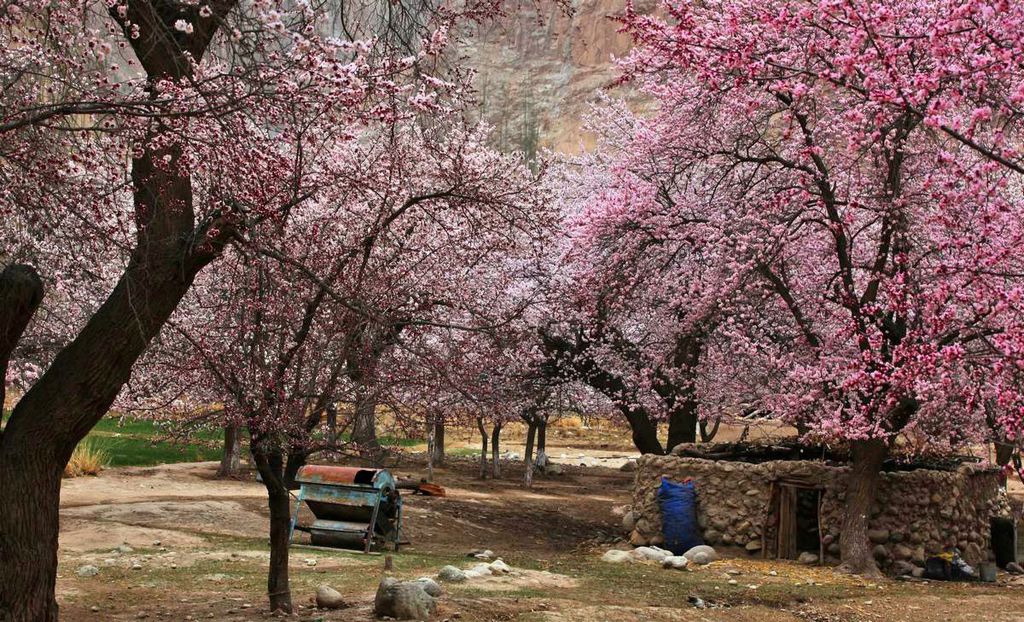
(193, 548)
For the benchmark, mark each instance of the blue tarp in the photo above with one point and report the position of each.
(679, 515)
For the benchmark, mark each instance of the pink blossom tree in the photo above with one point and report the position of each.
(221, 109)
(420, 219)
(647, 278)
(862, 158)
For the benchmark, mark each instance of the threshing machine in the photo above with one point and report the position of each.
(354, 508)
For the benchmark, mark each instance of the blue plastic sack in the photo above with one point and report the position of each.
(679, 515)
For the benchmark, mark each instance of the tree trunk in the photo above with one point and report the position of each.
(531, 433)
(364, 425)
(437, 454)
(86, 375)
(21, 292)
(271, 468)
(430, 451)
(706, 436)
(231, 461)
(645, 431)
(542, 435)
(495, 449)
(29, 527)
(483, 447)
(682, 425)
(78, 389)
(332, 424)
(862, 485)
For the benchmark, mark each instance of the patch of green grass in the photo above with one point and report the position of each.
(463, 452)
(131, 442)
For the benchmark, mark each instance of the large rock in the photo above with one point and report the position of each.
(403, 600)
(701, 554)
(500, 567)
(328, 598)
(452, 574)
(808, 558)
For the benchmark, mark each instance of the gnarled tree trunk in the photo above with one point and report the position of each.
(85, 377)
(855, 549)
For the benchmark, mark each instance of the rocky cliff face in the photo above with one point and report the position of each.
(538, 73)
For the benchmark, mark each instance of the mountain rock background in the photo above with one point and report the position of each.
(540, 69)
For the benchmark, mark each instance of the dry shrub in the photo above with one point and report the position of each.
(87, 459)
(568, 422)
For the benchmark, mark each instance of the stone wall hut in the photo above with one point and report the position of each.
(782, 508)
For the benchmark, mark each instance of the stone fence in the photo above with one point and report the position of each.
(917, 513)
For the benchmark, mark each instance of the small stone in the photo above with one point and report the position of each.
(1014, 568)
(479, 570)
(136, 566)
(880, 552)
(773, 573)
(124, 548)
(328, 598)
(651, 553)
(499, 567)
(628, 522)
(733, 582)
(481, 554)
(753, 546)
(675, 562)
(808, 558)
(878, 536)
(701, 554)
(902, 568)
(616, 556)
(311, 562)
(156, 543)
(94, 608)
(87, 571)
(452, 574)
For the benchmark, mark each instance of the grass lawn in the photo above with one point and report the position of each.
(143, 443)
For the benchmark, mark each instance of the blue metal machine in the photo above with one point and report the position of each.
(354, 508)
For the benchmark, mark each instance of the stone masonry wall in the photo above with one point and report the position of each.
(917, 514)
